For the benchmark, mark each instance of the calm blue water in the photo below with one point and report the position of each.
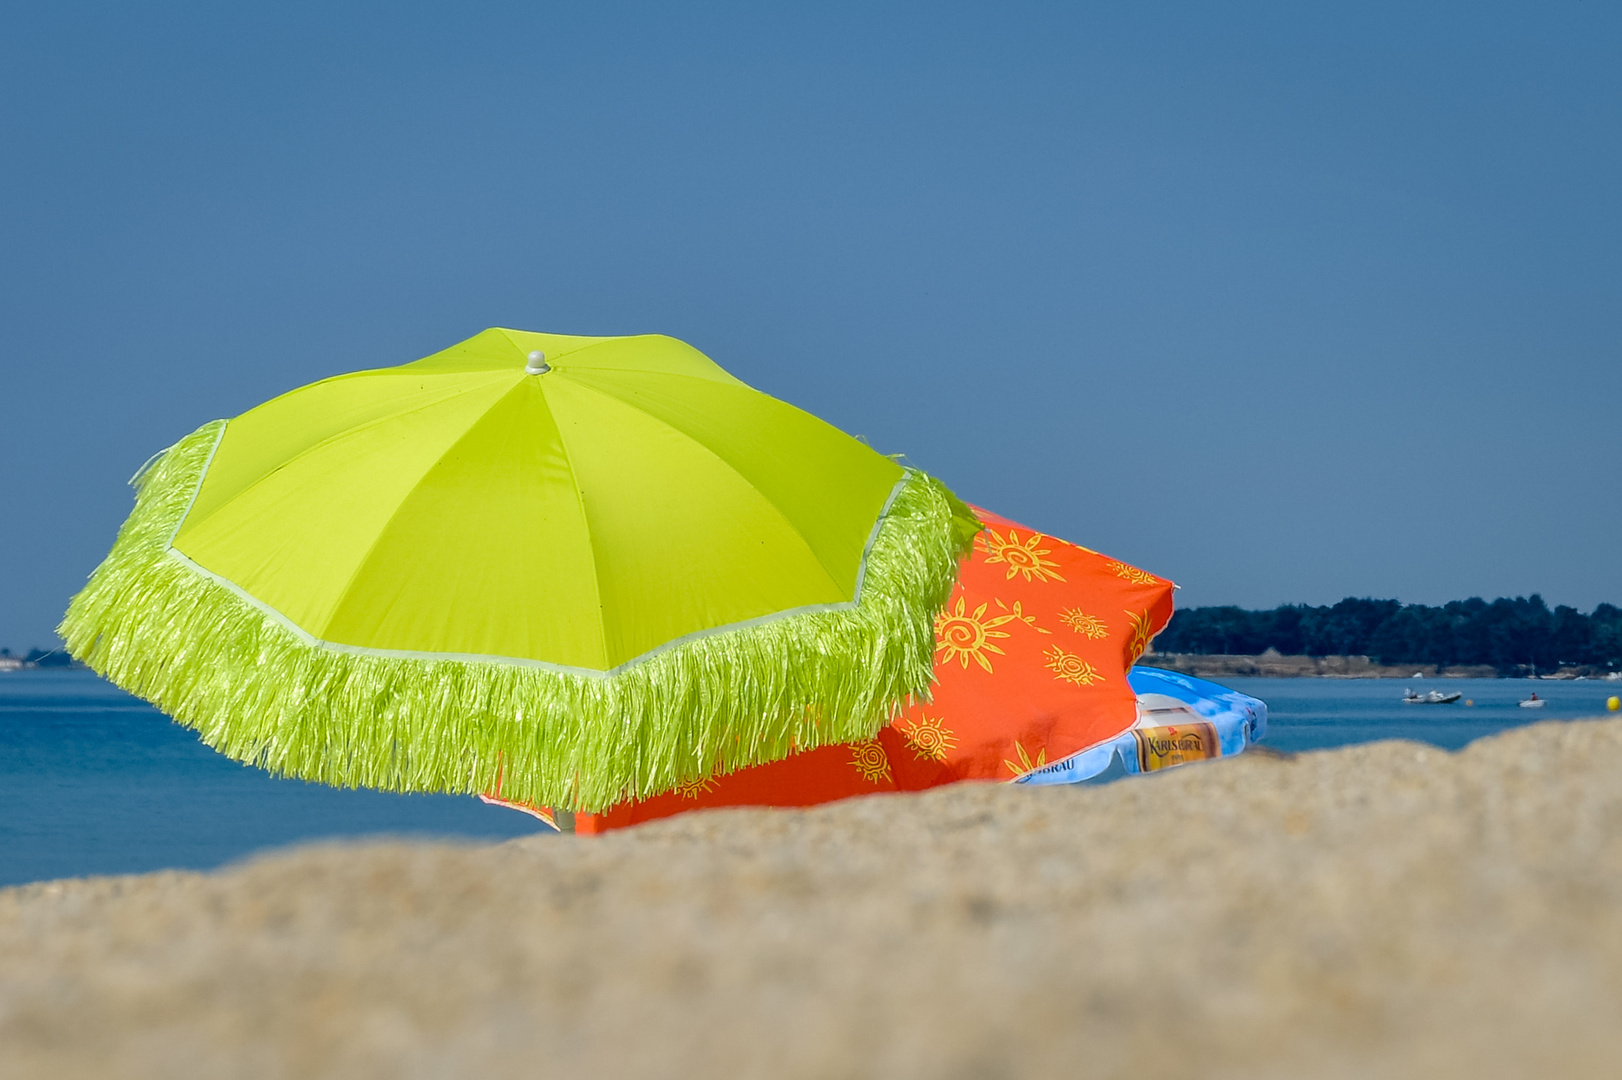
(1310, 714)
(93, 781)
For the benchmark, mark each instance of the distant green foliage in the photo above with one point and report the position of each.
(1507, 634)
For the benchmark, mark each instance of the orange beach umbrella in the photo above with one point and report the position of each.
(1031, 658)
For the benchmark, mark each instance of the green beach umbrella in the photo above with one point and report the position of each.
(571, 569)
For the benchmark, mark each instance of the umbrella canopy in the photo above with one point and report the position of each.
(1032, 655)
(587, 568)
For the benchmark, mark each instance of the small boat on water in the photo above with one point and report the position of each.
(1533, 702)
(1433, 697)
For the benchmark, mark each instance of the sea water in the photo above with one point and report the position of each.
(94, 781)
(1311, 714)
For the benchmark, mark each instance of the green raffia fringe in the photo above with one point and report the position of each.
(255, 692)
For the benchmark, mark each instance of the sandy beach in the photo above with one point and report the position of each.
(1386, 909)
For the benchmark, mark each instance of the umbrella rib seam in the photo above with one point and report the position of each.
(861, 568)
(312, 448)
(360, 564)
(585, 523)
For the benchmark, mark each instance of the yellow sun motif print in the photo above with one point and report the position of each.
(1027, 764)
(1020, 556)
(1088, 626)
(1142, 634)
(694, 788)
(963, 637)
(1071, 668)
(927, 738)
(870, 760)
(1019, 613)
(1132, 573)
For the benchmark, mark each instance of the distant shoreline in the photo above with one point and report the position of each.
(1277, 666)
(1220, 666)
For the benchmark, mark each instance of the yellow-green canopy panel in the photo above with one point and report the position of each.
(570, 569)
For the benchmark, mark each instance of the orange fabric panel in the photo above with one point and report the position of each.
(1031, 658)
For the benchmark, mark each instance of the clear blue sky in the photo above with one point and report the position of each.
(1283, 303)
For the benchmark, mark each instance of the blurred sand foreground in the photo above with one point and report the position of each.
(1385, 910)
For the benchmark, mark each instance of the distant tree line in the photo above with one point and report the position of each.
(1507, 634)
